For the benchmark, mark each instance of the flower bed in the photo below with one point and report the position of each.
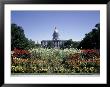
(53, 61)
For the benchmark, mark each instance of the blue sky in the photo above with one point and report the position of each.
(39, 25)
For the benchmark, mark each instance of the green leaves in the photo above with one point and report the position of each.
(54, 61)
(91, 39)
(18, 39)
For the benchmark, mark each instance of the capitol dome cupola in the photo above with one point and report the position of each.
(55, 34)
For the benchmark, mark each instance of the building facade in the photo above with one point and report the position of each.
(55, 42)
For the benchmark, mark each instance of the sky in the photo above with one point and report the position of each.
(39, 25)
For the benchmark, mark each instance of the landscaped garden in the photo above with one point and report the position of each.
(55, 61)
(73, 57)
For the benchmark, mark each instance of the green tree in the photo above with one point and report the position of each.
(75, 44)
(31, 43)
(91, 39)
(37, 45)
(68, 43)
(18, 39)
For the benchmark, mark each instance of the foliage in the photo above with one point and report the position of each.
(54, 61)
(90, 54)
(91, 39)
(70, 44)
(18, 39)
(19, 53)
(28, 57)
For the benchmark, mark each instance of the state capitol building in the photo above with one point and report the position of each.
(55, 42)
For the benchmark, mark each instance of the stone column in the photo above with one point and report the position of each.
(44, 43)
(53, 43)
(58, 44)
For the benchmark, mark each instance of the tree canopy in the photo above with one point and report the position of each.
(91, 39)
(18, 39)
(70, 44)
